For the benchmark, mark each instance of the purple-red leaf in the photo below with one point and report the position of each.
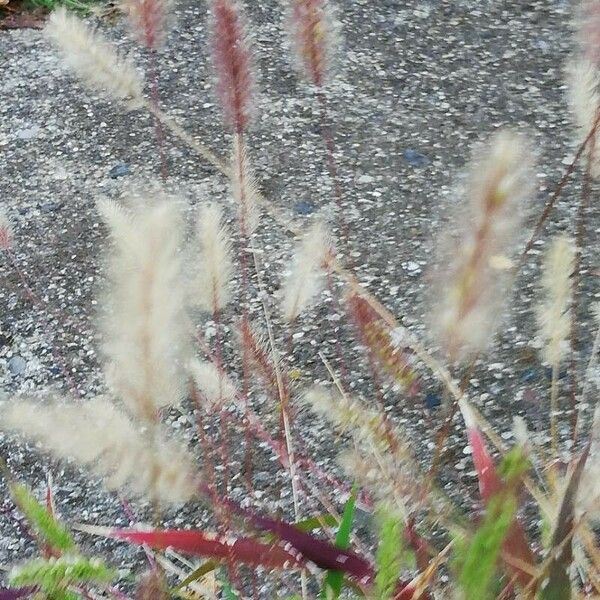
(243, 550)
(16, 593)
(323, 554)
(516, 549)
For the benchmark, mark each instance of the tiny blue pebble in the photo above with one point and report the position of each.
(432, 400)
(119, 171)
(304, 208)
(416, 159)
(529, 375)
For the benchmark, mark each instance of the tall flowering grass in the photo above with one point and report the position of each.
(165, 278)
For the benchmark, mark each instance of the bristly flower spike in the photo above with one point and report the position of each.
(554, 314)
(588, 30)
(150, 20)
(315, 33)
(307, 272)
(233, 64)
(146, 333)
(472, 290)
(95, 60)
(211, 291)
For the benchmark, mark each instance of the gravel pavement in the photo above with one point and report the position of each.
(419, 83)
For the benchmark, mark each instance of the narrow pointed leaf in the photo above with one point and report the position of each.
(244, 550)
(516, 549)
(332, 586)
(321, 553)
(557, 585)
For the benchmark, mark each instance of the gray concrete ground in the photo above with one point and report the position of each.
(419, 83)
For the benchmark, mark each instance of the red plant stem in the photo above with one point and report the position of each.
(558, 190)
(32, 296)
(224, 441)
(158, 128)
(244, 240)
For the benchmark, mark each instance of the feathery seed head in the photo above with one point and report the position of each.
(244, 188)
(213, 384)
(471, 291)
(393, 357)
(93, 59)
(97, 435)
(145, 326)
(233, 63)
(554, 314)
(588, 29)
(307, 272)
(315, 38)
(583, 87)
(211, 291)
(150, 20)
(6, 234)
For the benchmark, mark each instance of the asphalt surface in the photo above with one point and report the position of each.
(419, 83)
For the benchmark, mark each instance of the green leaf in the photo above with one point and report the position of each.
(43, 523)
(479, 557)
(55, 575)
(317, 522)
(390, 553)
(228, 591)
(332, 586)
(201, 571)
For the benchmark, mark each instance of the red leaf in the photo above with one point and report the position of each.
(243, 550)
(515, 545)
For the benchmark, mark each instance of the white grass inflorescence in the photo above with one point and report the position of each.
(583, 87)
(213, 384)
(211, 290)
(472, 284)
(554, 313)
(307, 272)
(97, 435)
(145, 326)
(94, 59)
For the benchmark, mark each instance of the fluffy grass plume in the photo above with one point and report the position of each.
(145, 327)
(393, 358)
(554, 313)
(99, 436)
(471, 292)
(93, 59)
(307, 272)
(213, 384)
(315, 38)
(244, 188)
(233, 63)
(582, 82)
(150, 20)
(381, 460)
(211, 291)
(588, 29)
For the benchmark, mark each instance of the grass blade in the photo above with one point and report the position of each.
(332, 586)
